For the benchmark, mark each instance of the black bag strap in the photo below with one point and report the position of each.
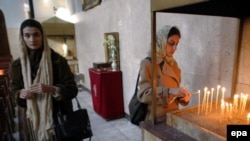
(78, 104)
(149, 58)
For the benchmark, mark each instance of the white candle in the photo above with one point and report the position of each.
(248, 118)
(235, 104)
(227, 109)
(223, 93)
(222, 108)
(241, 101)
(204, 99)
(230, 110)
(211, 105)
(244, 103)
(199, 92)
(208, 93)
(217, 96)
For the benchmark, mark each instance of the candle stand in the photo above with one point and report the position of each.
(210, 125)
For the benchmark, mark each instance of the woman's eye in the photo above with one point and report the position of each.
(26, 35)
(171, 43)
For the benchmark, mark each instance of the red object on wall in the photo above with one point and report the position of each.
(107, 93)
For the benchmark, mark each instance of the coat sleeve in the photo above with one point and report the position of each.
(16, 82)
(145, 86)
(64, 80)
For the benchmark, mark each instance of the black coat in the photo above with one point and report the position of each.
(62, 78)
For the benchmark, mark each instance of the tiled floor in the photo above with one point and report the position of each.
(113, 130)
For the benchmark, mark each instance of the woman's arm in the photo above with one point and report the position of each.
(64, 81)
(145, 91)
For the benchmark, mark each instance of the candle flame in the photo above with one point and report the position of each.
(236, 96)
(1, 72)
(248, 115)
(222, 102)
(205, 89)
(223, 89)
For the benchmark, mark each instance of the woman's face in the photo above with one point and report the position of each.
(171, 45)
(32, 37)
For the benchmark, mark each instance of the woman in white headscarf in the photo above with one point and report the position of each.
(169, 92)
(42, 82)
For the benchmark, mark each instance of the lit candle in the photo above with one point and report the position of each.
(241, 102)
(230, 110)
(1, 72)
(223, 92)
(217, 95)
(199, 92)
(211, 106)
(222, 107)
(248, 118)
(204, 99)
(235, 104)
(244, 103)
(227, 110)
(208, 93)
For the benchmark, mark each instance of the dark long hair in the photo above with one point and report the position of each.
(31, 23)
(174, 31)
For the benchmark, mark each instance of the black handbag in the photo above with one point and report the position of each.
(74, 126)
(137, 109)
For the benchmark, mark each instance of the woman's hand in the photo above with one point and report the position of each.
(178, 92)
(36, 89)
(185, 98)
(26, 94)
(42, 88)
(182, 93)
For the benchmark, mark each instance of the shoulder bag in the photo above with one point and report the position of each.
(73, 126)
(137, 109)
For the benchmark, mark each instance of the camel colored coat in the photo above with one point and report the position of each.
(167, 77)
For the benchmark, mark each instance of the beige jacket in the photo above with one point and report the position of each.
(167, 77)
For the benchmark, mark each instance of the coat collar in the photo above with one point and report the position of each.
(169, 70)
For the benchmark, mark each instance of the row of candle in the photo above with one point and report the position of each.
(240, 102)
(208, 97)
(238, 105)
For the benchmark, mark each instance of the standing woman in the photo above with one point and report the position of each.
(169, 92)
(42, 82)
